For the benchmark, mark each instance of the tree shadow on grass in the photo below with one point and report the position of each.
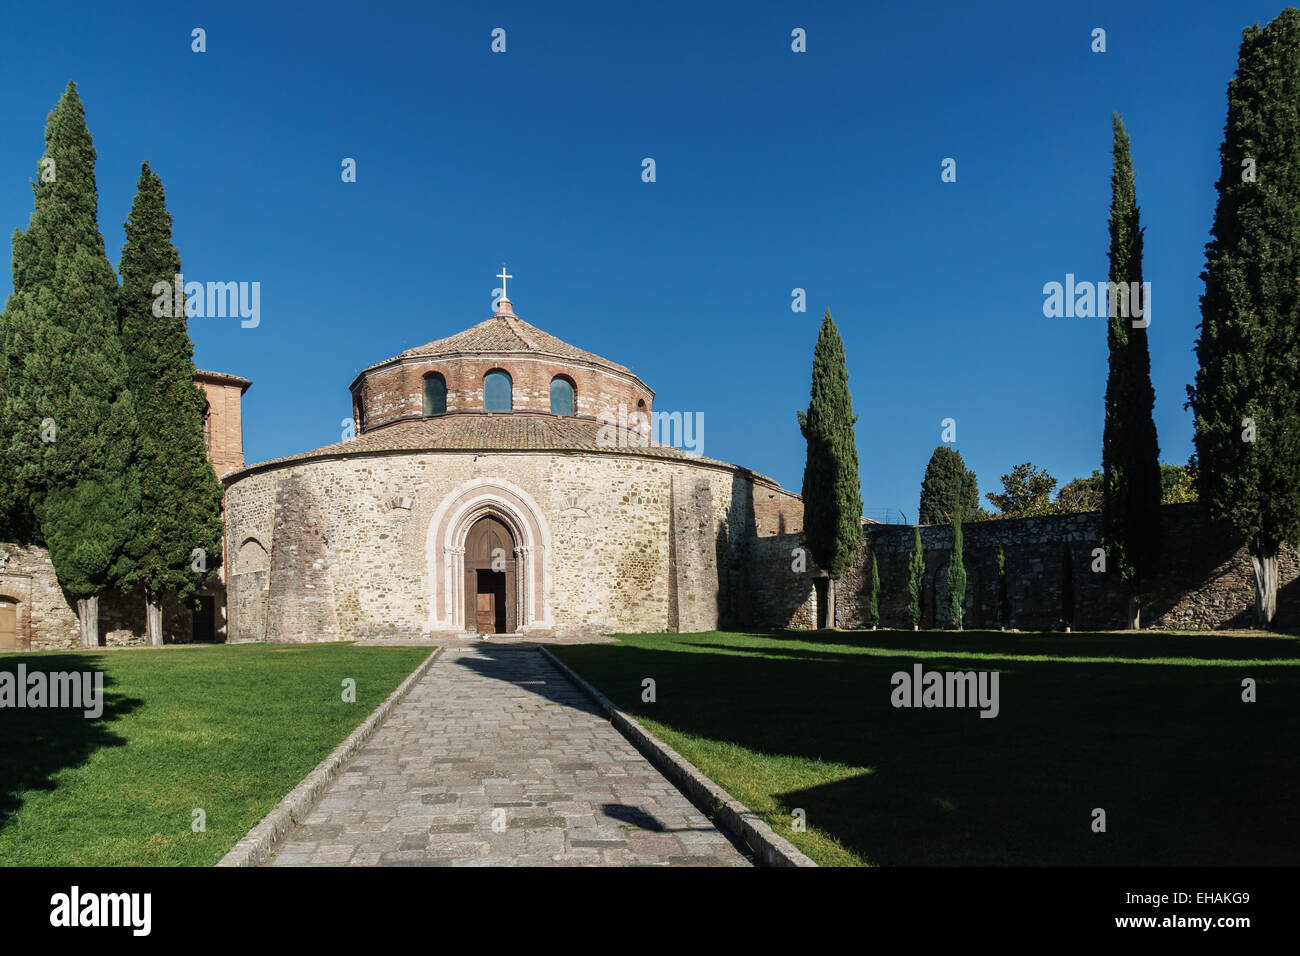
(1132, 645)
(1187, 773)
(37, 743)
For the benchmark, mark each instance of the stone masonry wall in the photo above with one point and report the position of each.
(1205, 581)
(47, 618)
(336, 549)
(637, 543)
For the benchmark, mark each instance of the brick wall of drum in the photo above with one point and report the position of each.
(396, 391)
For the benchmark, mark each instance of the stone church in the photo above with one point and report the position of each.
(502, 481)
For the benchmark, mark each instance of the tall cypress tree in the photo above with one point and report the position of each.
(873, 604)
(948, 489)
(1067, 587)
(831, 483)
(1004, 594)
(916, 580)
(956, 576)
(1130, 456)
(180, 497)
(69, 417)
(15, 515)
(1246, 397)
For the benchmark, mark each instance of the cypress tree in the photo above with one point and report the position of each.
(949, 488)
(1130, 455)
(873, 605)
(956, 576)
(1246, 397)
(1004, 594)
(15, 515)
(915, 580)
(1067, 586)
(69, 416)
(180, 497)
(831, 483)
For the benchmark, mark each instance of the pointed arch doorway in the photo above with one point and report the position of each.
(528, 574)
(490, 596)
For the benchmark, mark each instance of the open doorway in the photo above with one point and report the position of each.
(490, 578)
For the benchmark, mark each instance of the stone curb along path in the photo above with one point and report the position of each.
(728, 813)
(256, 845)
(496, 758)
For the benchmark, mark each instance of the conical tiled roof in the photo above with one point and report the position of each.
(504, 332)
(492, 431)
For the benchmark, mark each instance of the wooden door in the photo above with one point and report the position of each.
(489, 578)
(8, 624)
(487, 613)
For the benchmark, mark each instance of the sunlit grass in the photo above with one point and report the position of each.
(228, 730)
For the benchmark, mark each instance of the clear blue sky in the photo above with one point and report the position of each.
(775, 170)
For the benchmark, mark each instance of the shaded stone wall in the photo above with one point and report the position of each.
(695, 588)
(1204, 582)
(775, 592)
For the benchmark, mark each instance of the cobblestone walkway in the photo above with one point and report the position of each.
(496, 759)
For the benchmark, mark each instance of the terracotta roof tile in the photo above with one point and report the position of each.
(504, 332)
(487, 431)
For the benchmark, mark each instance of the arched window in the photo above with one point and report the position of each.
(562, 400)
(497, 392)
(435, 394)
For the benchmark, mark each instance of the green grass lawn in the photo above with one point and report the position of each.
(226, 729)
(1150, 727)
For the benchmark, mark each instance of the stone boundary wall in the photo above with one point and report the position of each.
(1204, 582)
(47, 617)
